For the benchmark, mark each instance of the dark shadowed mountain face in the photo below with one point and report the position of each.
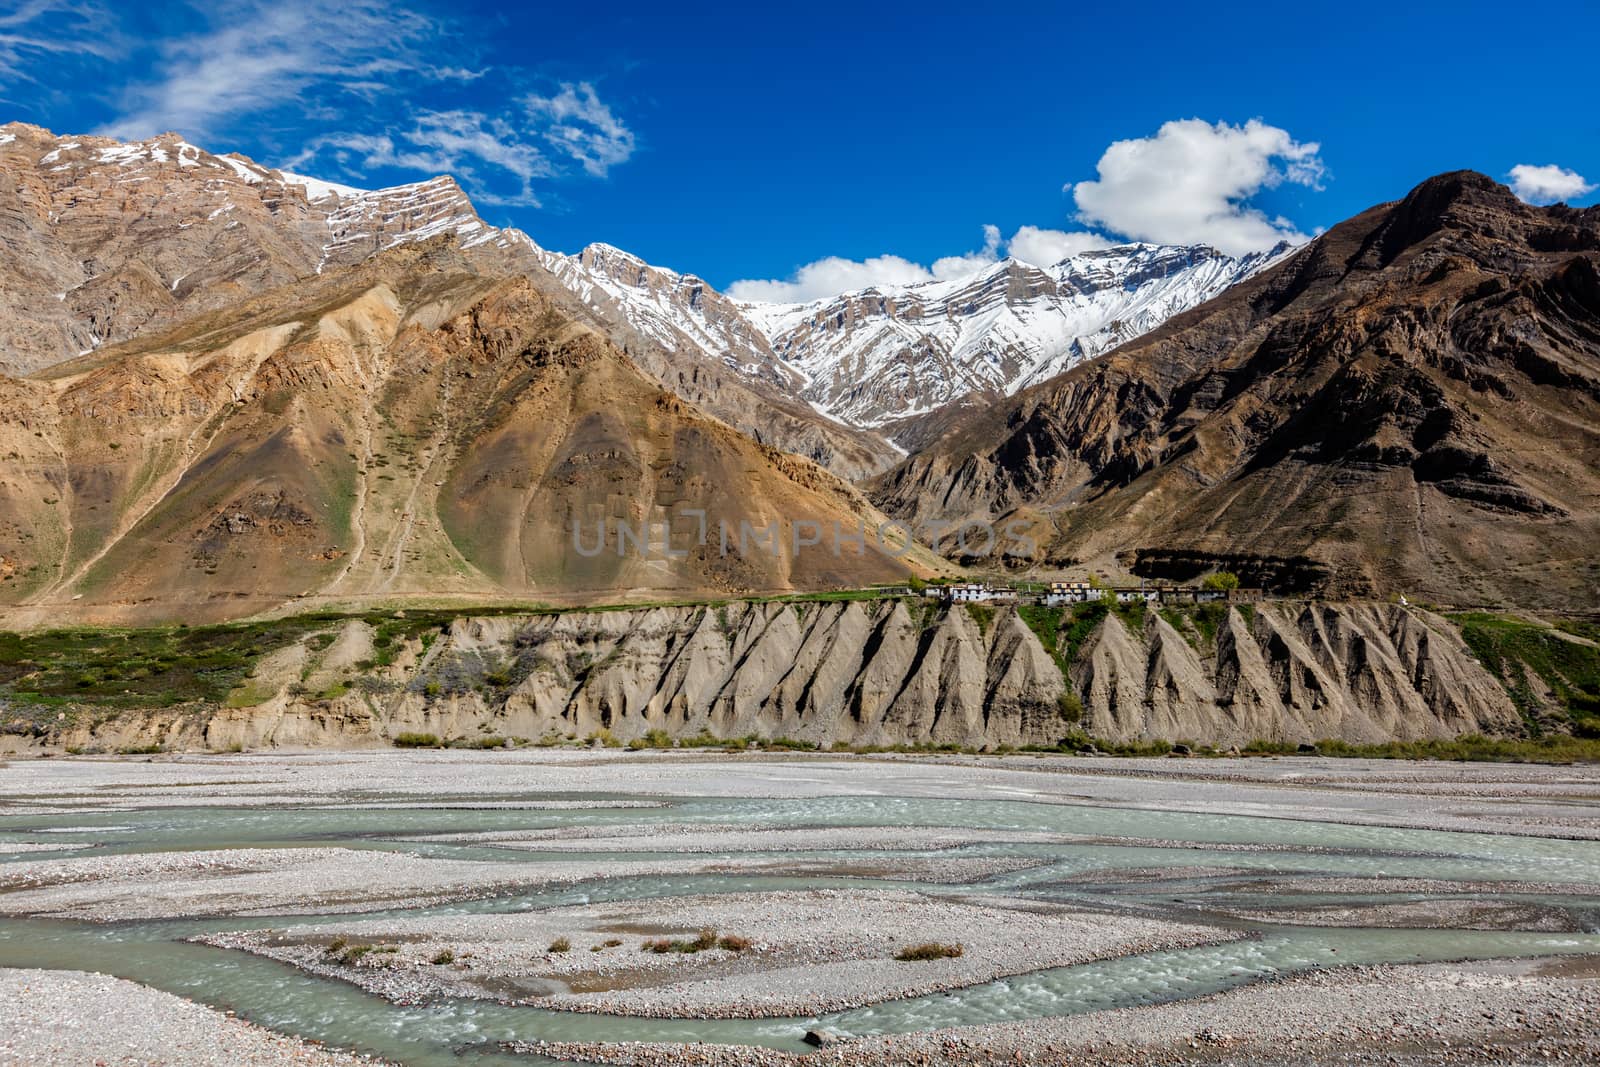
(1410, 404)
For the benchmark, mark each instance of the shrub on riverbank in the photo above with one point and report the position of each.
(933, 950)
(706, 939)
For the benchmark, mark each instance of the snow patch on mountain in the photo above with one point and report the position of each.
(671, 309)
(317, 189)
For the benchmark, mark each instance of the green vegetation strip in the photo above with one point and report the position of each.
(1528, 657)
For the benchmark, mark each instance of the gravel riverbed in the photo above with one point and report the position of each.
(808, 952)
(1432, 1014)
(74, 1019)
(288, 881)
(1128, 883)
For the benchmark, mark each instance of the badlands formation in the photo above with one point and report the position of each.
(874, 673)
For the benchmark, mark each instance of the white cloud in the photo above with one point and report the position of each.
(355, 68)
(268, 53)
(834, 275)
(1190, 183)
(1046, 248)
(1548, 184)
(51, 30)
(581, 127)
(461, 143)
(972, 262)
(497, 158)
(830, 277)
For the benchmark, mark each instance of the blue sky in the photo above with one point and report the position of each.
(844, 142)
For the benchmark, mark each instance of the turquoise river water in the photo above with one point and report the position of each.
(1211, 869)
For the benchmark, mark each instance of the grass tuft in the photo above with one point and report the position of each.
(706, 939)
(932, 950)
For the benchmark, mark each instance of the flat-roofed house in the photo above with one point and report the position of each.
(971, 593)
(1070, 593)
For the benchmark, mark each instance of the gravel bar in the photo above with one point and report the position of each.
(74, 1019)
(1489, 1013)
(809, 952)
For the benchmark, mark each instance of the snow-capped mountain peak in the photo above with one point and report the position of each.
(875, 355)
(888, 352)
(670, 308)
(863, 358)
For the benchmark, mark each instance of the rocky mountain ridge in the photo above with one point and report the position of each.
(114, 240)
(1408, 405)
(702, 346)
(673, 309)
(406, 427)
(108, 239)
(889, 353)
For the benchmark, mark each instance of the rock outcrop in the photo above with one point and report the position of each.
(875, 673)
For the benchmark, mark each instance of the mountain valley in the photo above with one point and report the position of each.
(1407, 405)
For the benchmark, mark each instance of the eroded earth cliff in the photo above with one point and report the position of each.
(887, 672)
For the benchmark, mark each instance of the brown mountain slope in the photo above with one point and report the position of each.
(405, 428)
(729, 370)
(107, 241)
(1409, 404)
